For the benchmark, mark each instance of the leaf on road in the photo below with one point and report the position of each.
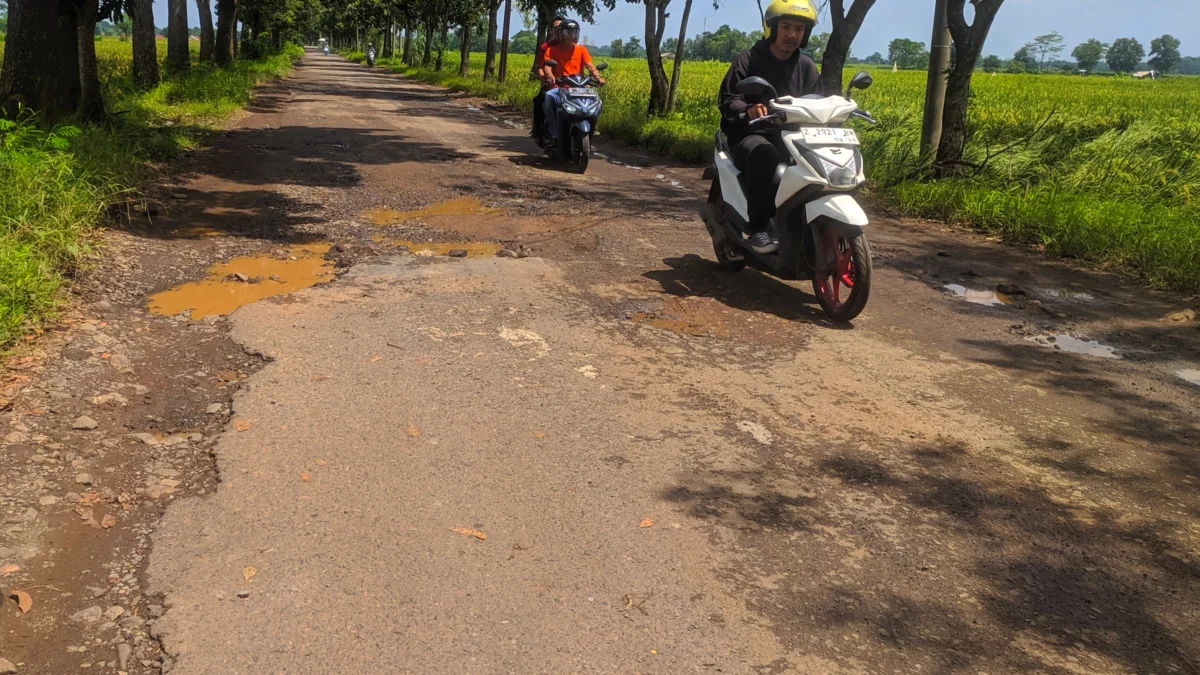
(24, 602)
(108, 521)
(318, 378)
(539, 434)
(305, 477)
(9, 569)
(249, 573)
(241, 425)
(91, 498)
(320, 462)
(413, 431)
(469, 532)
(646, 522)
(375, 359)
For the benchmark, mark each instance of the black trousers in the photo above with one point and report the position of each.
(757, 156)
(539, 115)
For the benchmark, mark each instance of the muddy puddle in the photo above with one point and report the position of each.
(1189, 375)
(678, 326)
(1064, 295)
(986, 298)
(462, 206)
(1078, 345)
(473, 249)
(246, 280)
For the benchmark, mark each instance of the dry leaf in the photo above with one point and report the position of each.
(413, 431)
(108, 521)
(375, 359)
(320, 462)
(469, 532)
(106, 355)
(305, 477)
(91, 498)
(318, 378)
(24, 602)
(646, 523)
(241, 425)
(9, 569)
(539, 434)
(249, 573)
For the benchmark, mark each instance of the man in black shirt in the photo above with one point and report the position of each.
(787, 25)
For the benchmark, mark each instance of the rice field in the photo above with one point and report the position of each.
(1100, 169)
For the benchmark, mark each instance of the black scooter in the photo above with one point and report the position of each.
(578, 111)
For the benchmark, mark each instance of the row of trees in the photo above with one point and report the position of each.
(1124, 55)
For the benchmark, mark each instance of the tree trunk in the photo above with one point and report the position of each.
(389, 41)
(91, 100)
(32, 61)
(206, 31)
(489, 57)
(145, 51)
(178, 58)
(656, 21)
(407, 55)
(845, 28)
(226, 37)
(427, 52)
(464, 51)
(968, 45)
(442, 46)
(503, 70)
(679, 52)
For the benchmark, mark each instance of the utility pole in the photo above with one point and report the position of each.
(503, 72)
(935, 85)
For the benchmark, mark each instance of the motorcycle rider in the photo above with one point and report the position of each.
(787, 26)
(538, 101)
(571, 58)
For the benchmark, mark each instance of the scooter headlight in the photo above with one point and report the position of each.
(571, 109)
(841, 176)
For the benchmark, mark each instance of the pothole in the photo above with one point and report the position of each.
(246, 280)
(978, 297)
(462, 206)
(1077, 345)
(458, 249)
(1189, 375)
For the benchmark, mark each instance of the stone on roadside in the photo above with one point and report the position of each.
(16, 437)
(241, 277)
(89, 615)
(7, 667)
(84, 479)
(105, 399)
(47, 500)
(506, 253)
(457, 253)
(123, 652)
(84, 423)
(120, 361)
(148, 439)
(114, 612)
(214, 408)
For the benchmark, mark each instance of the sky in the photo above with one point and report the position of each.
(1018, 22)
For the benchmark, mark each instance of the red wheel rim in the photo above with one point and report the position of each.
(840, 258)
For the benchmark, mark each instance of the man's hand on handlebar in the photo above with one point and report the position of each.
(756, 111)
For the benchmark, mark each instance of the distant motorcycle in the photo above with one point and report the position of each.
(370, 57)
(326, 50)
(578, 110)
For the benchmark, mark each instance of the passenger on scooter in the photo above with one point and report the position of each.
(571, 58)
(551, 39)
(787, 25)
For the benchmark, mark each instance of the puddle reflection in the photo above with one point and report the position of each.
(987, 298)
(1078, 345)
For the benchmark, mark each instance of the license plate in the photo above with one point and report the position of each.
(829, 135)
(581, 91)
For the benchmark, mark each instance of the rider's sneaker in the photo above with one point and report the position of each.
(762, 242)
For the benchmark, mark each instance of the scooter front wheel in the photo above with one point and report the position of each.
(843, 286)
(583, 150)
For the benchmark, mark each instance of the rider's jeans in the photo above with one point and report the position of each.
(550, 107)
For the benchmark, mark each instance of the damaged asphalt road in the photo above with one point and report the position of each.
(593, 452)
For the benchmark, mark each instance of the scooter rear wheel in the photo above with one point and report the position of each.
(850, 273)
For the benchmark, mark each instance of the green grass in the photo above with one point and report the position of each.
(59, 181)
(1106, 170)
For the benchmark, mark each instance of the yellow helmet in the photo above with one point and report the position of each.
(801, 10)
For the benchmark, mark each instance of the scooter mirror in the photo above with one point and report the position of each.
(601, 66)
(861, 80)
(755, 86)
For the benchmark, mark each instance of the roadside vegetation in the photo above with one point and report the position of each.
(1100, 169)
(59, 179)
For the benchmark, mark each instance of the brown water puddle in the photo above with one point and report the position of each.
(474, 249)
(1078, 345)
(303, 267)
(986, 298)
(463, 206)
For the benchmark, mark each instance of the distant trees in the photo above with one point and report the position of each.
(992, 64)
(1022, 61)
(1164, 53)
(1088, 54)
(835, 46)
(908, 54)
(1125, 54)
(1046, 47)
(875, 59)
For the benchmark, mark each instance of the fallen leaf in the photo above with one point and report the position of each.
(108, 521)
(9, 569)
(241, 425)
(24, 602)
(320, 462)
(318, 378)
(413, 431)
(249, 573)
(106, 355)
(91, 498)
(469, 532)
(375, 359)
(539, 434)
(646, 523)
(305, 477)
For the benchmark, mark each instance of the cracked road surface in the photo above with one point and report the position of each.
(675, 470)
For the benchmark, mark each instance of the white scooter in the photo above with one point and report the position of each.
(818, 222)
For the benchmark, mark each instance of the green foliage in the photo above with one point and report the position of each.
(1164, 54)
(1125, 54)
(1112, 176)
(992, 64)
(58, 181)
(1088, 54)
(908, 54)
(1046, 47)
